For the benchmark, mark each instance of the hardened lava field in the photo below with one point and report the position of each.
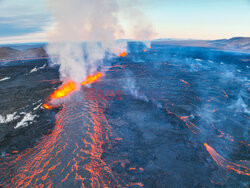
(163, 116)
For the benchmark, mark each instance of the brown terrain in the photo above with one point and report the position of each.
(7, 53)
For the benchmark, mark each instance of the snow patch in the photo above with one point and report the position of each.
(37, 107)
(25, 121)
(3, 79)
(37, 69)
(8, 118)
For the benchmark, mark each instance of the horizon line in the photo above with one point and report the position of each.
(157, 39)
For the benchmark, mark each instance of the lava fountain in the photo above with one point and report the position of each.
(71, 86)
(123, 54)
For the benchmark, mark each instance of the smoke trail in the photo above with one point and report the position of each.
(141, 27)
(97, 24)
(81, 20)
(130, 85)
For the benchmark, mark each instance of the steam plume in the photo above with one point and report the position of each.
(95, 22)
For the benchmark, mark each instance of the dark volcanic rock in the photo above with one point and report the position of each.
(22, 96)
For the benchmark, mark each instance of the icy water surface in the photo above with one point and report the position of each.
(181, 119)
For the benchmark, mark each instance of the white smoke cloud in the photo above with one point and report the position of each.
(69, 55)
(142, 27)
(84, 20)
(95, 22)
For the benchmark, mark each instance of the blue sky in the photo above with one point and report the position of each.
(23, 20)
(28, 20)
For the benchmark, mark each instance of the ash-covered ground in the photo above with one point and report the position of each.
(173, 101)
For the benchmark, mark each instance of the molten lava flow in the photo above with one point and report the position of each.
(227, 164)
(123, 54)
(188, 123)
(64, 90)
(46, 106)
(226, 95)
(71, 155)
(69, 87)
(184, 82)
(91, 79)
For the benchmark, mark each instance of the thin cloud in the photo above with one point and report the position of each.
(23, 17)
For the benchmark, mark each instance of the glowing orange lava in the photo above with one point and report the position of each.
(91, 79)
(226, 164)
(184, 82)
(68, 156)
(123, 54)
(64, 90)
(46, 106)
(188, 123)
(70, 87)
(226, 95)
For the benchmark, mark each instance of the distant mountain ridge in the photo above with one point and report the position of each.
(7, 53)
(236, 43)
(239, 44)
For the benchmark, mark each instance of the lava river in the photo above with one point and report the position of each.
(71, 153)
